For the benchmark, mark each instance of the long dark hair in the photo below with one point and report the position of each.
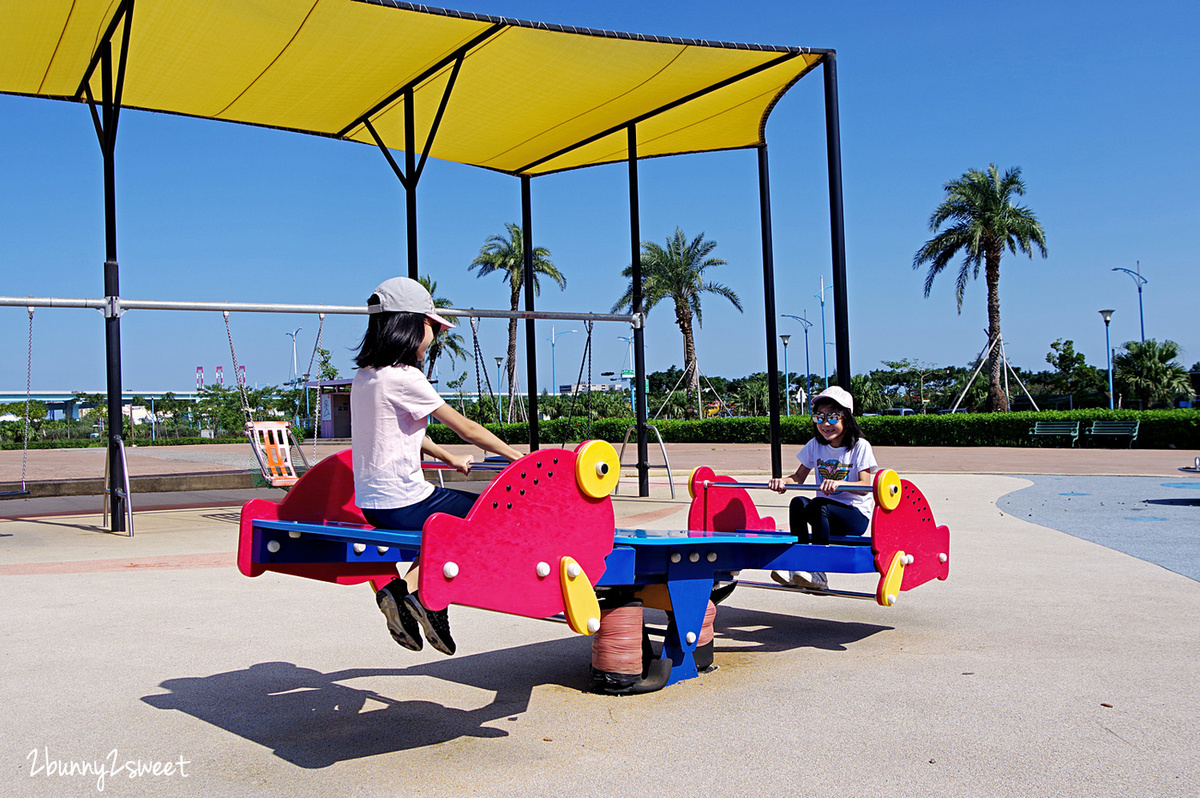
(850, 431)
(391, 339)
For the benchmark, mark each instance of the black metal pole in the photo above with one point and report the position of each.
(530, 332)
(837, 221)
(118, 501)
(639, 333)
(410, 186)
(764, 205)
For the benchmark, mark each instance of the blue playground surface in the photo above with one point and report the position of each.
(1151, 518)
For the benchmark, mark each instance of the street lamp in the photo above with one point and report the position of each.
(1139, 281)
(553, 339)
(499, 393)
(824, 344)
(807, 370)
(630, 371)
(1107, 314)
(787, 388)
(293, 335)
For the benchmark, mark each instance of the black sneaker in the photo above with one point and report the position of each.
(400, 622)
(435, 623)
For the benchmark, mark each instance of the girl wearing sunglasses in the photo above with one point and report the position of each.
(839, 455)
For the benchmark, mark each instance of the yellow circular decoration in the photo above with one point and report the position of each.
(597, 469)
(691, 477)
(887, 489)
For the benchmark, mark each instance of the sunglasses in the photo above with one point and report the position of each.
(827, 418)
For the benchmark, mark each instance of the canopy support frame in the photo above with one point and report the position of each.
(636, 301)
(837, 222)
(530, 333)
(106, 122)
(768, 255)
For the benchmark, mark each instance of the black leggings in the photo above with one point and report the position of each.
(822, 516)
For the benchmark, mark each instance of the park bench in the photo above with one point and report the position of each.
(1055, 429)
(1113, 429)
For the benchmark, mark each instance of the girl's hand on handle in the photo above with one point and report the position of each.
(777, 484)
(461, 463)
(829, 486)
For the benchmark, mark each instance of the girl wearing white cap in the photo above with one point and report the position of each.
(390, 405)
(839, 455)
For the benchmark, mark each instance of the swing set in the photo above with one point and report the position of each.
(24, 491)
(271, 441)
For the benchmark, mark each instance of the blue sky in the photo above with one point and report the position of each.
(1096, 102)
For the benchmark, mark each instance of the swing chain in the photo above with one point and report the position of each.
(28, 383)
(587, 356)
(238, 377)
(312, 416)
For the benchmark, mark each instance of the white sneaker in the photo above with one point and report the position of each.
(809, 580)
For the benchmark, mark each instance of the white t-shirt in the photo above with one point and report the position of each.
(841, 464)
(389, 408)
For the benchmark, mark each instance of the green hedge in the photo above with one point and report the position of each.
(92, 443)
(1160, 429)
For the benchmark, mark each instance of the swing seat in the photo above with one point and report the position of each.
(272, 442)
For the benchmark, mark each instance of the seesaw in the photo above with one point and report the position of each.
(541, 541)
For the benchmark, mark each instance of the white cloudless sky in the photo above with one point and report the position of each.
(1096, 102)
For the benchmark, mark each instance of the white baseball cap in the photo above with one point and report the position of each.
(405, 295)
(837, 395)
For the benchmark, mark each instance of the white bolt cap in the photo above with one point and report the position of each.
(691, 638)
(382, 550)
(543, 570)
(593, 625)
(273, 546)
(942, 557)
(293, 534)
(450, 570)
(694, 557)
(675, 557)
(712, 556)
(890, 599)
(573, 570)
(359, 548)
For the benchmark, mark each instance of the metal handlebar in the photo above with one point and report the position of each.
(764, 485)
(484, 466)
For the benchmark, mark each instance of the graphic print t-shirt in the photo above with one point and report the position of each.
(827, 462)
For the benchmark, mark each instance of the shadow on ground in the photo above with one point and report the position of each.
(314, 720)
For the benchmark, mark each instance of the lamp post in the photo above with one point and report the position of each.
(824, 344)
(499, 393)
(632, 378)
(807, 370)
(554, 339)
(1107, 315)
(787, 387)
(293, 335)
(1139, 281)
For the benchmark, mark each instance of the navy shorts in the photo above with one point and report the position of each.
(442, 500)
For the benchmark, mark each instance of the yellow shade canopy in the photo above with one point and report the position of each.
(517, 97)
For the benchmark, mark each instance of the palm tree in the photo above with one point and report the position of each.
(446, 341)
(984, 222)
(1147, 370)
(677, 272)
(507, 256)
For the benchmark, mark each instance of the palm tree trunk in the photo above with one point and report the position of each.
(997, 401)
(683, 317)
